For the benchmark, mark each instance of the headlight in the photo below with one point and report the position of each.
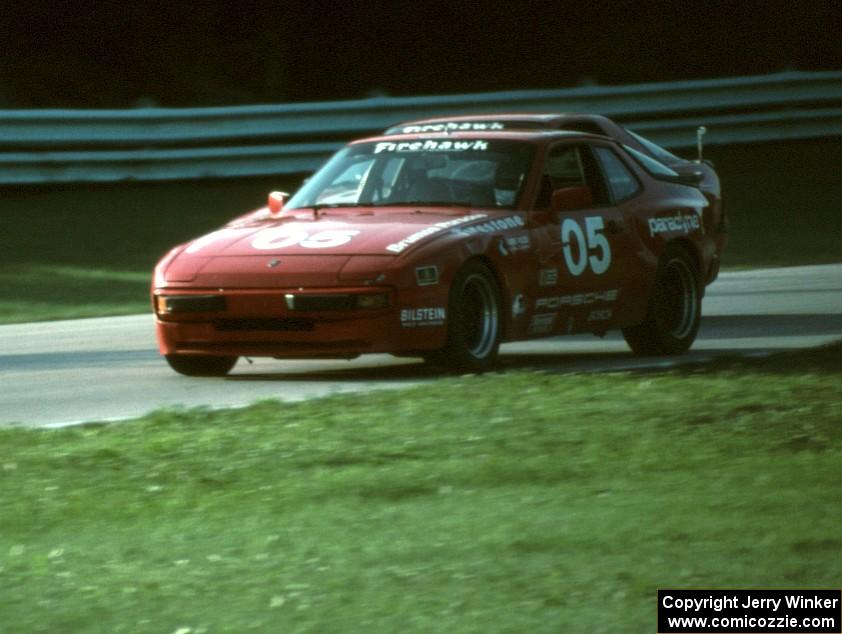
(175, 304)
(379, 300)
(336, 301)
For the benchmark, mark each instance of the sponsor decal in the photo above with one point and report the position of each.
(600, 314)
(398, 247)
(518, 306)
(579, 299)
(453, 126)
(510, 222)
(512, 244)
(542, 324)
(674, 224)
(427, 275)
(547, 277)
(431, 145)
(498, 224)
(281, 237)
(412, 317)
(519, 242)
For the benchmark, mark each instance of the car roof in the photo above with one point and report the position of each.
(504, 121)
(574, 121)
(538, 135)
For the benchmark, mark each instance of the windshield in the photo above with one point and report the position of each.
(441, 171)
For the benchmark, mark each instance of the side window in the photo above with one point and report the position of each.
(564, 167)
(572, 166)
(621, 181)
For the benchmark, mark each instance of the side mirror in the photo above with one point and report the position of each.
(578, 197)
(276, 202)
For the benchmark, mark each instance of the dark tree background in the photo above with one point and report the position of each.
(175, 53)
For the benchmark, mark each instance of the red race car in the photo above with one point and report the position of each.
(442, 246)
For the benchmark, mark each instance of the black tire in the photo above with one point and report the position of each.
(474, 323)
(675, 308)
(201, 365)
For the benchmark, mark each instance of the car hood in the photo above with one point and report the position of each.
(292, 251)
(373, 233)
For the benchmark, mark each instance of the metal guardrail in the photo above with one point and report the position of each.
(54, 146)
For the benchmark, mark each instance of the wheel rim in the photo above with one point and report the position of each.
(479, 315)
(678, 299)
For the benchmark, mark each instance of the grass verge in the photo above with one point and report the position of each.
(38, 292)
(517, 503)
(89, 251)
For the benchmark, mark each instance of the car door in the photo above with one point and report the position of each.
(583, 239)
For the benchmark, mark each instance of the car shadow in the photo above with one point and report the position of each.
(714, 328)
(783, 361)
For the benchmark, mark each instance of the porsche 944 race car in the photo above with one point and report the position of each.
(442, 246)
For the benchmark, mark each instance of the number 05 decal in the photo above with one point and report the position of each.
(281, 237)
(588, 246)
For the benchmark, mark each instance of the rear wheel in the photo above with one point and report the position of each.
(473, 331)
(675, 308)
(201, 365)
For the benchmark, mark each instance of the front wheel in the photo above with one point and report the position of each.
(675, 308)
(473, 331)
(201, 365)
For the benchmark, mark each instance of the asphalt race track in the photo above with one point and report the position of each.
(57, 373)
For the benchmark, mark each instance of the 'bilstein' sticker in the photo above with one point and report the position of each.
(412, 317)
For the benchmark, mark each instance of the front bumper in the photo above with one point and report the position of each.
(287, 323)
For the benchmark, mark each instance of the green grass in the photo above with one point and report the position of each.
(89, 250)
(523, 502)
(36, 292)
